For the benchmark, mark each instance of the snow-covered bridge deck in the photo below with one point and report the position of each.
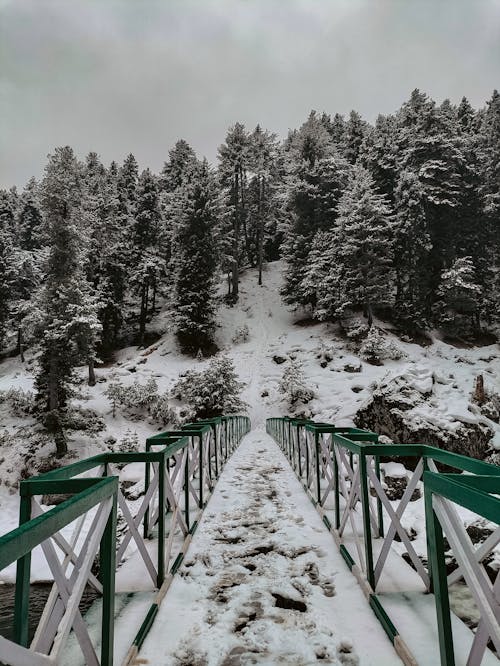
(263, 582)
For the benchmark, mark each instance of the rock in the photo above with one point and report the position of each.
(490, 410)
(264, 394)
(396, 487)
(401, 408)
(279, 359)
(324, 364)
(352, 367)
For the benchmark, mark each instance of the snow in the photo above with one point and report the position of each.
(260, 541)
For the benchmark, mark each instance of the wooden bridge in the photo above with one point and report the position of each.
(339, 469)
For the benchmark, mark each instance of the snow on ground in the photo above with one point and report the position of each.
(263, 582)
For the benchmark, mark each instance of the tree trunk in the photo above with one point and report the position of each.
(368, 314)
(143, 314)
(261, 226)
(92, 379)
(20, 343)
(236, 235)
(54, 418)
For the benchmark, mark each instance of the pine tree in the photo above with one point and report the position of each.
(68, 321)
(412, 254)
(234, 157)
(364, 231)
(355, 130)
(262, 190)
(459, 305)
(30, 232)
(149, 264)
(314, 198)
(195, 262)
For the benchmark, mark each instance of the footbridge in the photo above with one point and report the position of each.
(262, 576)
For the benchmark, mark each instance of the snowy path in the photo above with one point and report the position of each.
(263, 582)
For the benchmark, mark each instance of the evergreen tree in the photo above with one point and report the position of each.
(264, 166)
(364, 231)
(30, 232)
(234, 158)
(149, 264)
(314, 197)
(412, 254)
(68, 322)
(195, 262)
(458, 307)
(354, 133)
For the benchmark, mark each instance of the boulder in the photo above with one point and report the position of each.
(402, 408)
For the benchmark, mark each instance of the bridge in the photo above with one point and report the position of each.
(106, 535)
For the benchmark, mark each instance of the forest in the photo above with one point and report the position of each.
(398, 220)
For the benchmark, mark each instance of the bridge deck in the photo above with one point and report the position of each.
(263, 582)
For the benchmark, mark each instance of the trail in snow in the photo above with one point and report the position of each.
(263, 582)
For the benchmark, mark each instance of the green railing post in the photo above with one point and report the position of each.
(439, 581)
(200, 462)
(147, 481)
(22, 593)
(107, 556)
(186, 489)
(365, 504)
(160, 576)
(318, 472)
(336, 488)
(299, 450)
(380, 513)
(216, 457)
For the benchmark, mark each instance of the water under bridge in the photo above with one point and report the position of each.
(204, 550)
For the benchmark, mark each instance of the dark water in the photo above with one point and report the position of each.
(39, 593)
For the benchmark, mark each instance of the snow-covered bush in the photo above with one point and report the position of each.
(129, 443)
(354, 327)
(78, 418)
(161, 411)
(133, 397)
(139, 398)
(376, 348)
(210, 392)
(241, 334)
(294, 386)
(20, 403)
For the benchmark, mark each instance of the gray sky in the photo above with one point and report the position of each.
(120, 76)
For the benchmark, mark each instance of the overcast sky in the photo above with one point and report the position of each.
(120, 76)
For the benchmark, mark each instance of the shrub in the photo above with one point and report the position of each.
(210, 392)
(21, 403)
(293, 385)
(376, 348)
(241, 334)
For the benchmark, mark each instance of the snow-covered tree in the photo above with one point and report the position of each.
(211, 392)
(234, 159)
(149, 265)
(376, 348)
(67, 311)
(294, 386)
(459, 305)
(195, 261)
(363, 241)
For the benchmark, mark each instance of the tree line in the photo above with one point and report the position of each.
(399, 219)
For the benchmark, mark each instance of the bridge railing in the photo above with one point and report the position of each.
(340, 469)
(181, 468)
